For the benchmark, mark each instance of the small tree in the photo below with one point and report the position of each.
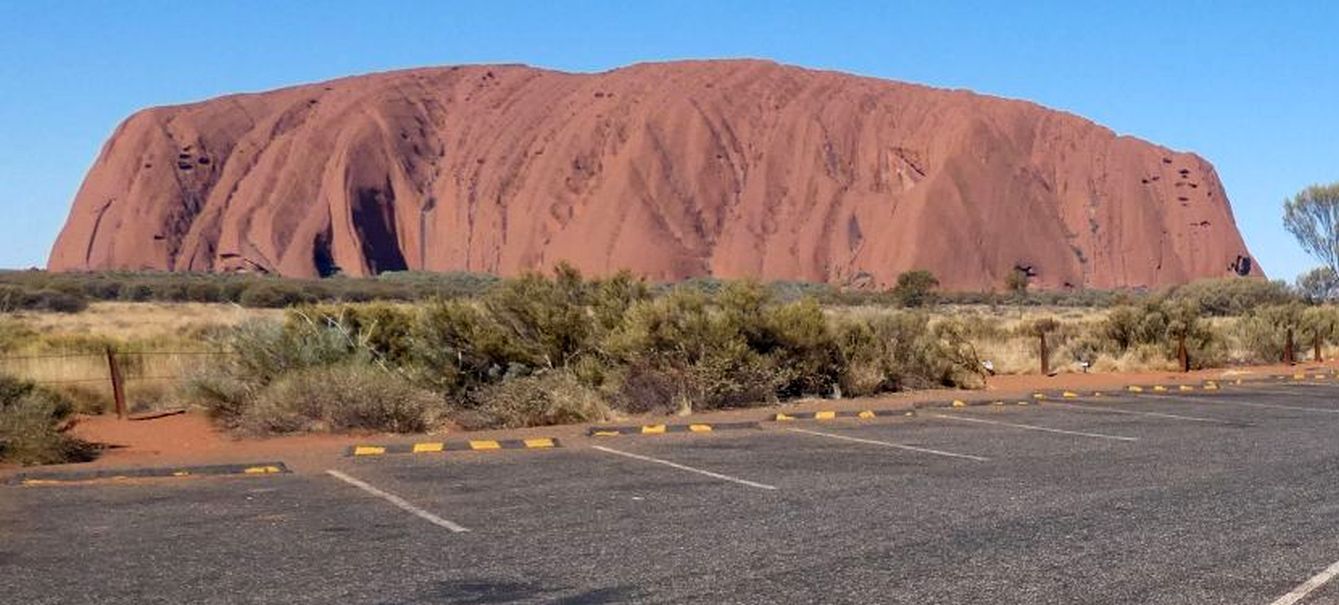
(1312, 216)
(915, 288)
(1318, 285)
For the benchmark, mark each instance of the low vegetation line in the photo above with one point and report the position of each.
(457, 352)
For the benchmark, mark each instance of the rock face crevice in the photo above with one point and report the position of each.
(672, 170)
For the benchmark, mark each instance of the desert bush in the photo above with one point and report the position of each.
(382, 329)
(899, 351)
(16, 298)
(611, 298)
(458, 346)
(799, 345)
(915, 288)
(1086, 348)
(703, 349)
(273, 296)
(269, 291)
(203, 291)
(1319, 325)
(547, 319)
(1158, 325)
(1232, 296)
(33, 426)
(341, 397)
(260, 352)
(1262, 333)
(791, 291)
(645, 388)
(976, 327)
(555, 397)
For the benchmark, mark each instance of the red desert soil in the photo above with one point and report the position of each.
(672, 170)
(191, 439)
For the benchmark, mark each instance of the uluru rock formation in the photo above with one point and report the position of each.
(672, 170)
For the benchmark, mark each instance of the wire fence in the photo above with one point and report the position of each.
(111, 378)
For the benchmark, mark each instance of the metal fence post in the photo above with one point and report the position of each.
(118, 385)
(1182, 355)
(1045, 362)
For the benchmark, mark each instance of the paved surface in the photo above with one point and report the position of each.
(1201, 498)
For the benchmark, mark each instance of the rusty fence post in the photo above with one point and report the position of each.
(118, 384)
(1045, 362)
(1288, 356)
(1315, 342)
(1182, 355)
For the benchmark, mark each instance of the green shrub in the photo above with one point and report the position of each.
(259, 353)
(33, 424)
(900, 351)
(703, 349)
(1082, 349)
(645, 388)
(458, 346)
(798, 342)
(273, 296)
(18, 298)
(342, 397)
(611, 298)
(384, 330)
(1158, 325)
(556, 397)
(547, 319)
(868, 367)
(1263, 333)
(1319, 325)
(915, 288)
(976, 327)
(203, 291)
(1233, 295)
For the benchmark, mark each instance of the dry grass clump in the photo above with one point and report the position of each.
(135, 326)
(339, 398)
(282, 378)
(557, 397)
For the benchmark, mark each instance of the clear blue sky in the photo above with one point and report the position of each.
(1252, 86)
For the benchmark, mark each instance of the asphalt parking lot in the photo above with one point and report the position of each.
(1229, 496)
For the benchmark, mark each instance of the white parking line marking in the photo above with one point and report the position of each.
(923, 450)
(1307, 587)
(396, 500)
(1033, 427)
(681, 467)
(1301, 391)
(1272, 406)
(1099, 408)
